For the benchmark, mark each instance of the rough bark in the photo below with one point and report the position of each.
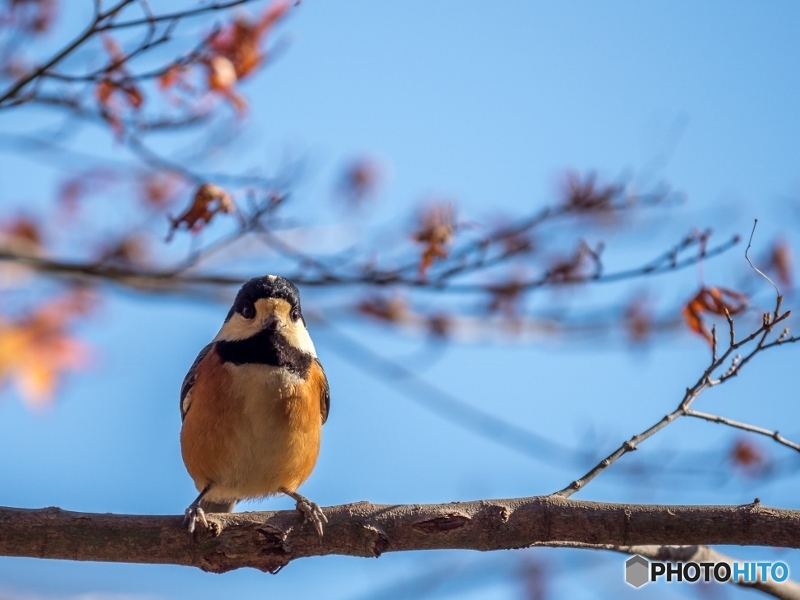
(270, 540)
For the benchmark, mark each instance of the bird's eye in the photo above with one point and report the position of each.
(295, 314)
(248, 312)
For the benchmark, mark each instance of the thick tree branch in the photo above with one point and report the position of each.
(270, 540)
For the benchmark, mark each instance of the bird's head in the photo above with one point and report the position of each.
(267, 304)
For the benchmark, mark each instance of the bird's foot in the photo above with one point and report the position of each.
(312, 513)
(193, 516)
(310, 510)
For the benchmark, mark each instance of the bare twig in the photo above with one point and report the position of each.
(174, 16)
(756, 269)
(90, 31)
(745, 427)
(185, 59)
(168, 281)
(703, 383)
(156, 161)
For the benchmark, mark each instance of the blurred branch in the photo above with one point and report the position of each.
(189, 57)
(494, 426)
(154, 160)
(175, 16)
(113, 76)
(170, 280)
(94, 27)
(474, 419)
(663, 264)
(268, 541)
(142, 125)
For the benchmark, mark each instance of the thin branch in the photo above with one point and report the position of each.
(174, 16)
(270, 540)
(745, 427)
(82, 111)
(650, 268)
(148, 43)
(156, 161)
(185, 59)
(90, 31)
(756, 269)
(703, 383)
(168, 281)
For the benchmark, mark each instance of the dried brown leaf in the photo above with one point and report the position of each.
(36, 349)
(714, 300)
(586, 195)
(748, 457)
(781, 262)
(638, 319)
(22, 233)
(360, 180)
(392, 310)
(436, 229)
(208, 201)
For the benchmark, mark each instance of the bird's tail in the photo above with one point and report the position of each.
(217, 507)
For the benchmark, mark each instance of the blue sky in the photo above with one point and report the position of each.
(487, 103)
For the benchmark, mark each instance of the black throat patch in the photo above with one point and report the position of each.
(265, 348)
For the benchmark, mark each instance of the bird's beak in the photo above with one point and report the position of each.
(272, 323)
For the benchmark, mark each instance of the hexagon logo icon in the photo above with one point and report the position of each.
(637, 571)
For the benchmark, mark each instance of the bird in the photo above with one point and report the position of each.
(253, 405)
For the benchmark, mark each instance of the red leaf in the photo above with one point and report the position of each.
(749, 457)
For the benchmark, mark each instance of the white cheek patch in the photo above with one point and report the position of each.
(297, 335)
(237, 328)
(304, 342)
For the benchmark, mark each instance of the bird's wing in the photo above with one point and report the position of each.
(325, 396)
(188, 381)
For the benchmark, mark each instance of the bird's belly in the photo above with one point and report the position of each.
(277, 443)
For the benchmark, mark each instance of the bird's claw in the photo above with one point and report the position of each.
(193, 515)
(312, 513)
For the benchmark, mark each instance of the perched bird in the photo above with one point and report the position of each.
(253, 405)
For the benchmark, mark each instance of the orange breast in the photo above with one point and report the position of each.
(209, 425)
(305, 425)
(251, 429)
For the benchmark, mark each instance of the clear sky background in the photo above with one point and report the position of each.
(487, 103)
